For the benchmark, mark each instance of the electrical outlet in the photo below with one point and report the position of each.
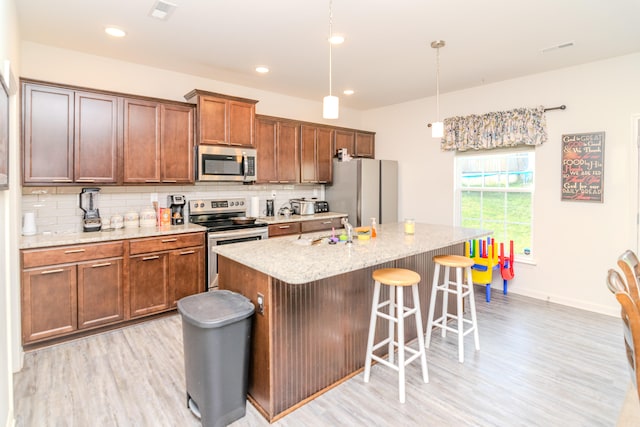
(260, 309)
(273, 194)
(154, 197)
(315, 192)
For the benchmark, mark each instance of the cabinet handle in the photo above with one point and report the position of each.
(74, 251)
(187, 252)
(169, 180)
(104, 264)
(58, 270)
(327, 222)
(85, 180)
(61, 180)
(152, 180)
(284, 226)
(149, 258)
(169, 240)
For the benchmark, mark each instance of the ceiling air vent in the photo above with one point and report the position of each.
(162, 10)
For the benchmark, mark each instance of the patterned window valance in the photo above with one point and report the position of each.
(521, 126)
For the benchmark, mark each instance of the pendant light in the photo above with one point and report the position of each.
(437, 128)
(330, 103)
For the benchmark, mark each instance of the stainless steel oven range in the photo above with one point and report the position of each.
(217, 215)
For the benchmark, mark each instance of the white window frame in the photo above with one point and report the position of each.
(458, 189)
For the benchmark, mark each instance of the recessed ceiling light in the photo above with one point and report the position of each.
(115, 32)
(336, 39)
(348, 92)
(262, 69)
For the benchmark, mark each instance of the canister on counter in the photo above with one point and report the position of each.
(131, 220)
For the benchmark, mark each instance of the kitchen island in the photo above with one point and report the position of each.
(313, 302)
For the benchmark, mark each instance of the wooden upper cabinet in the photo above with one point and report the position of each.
(277, 143)
(266, 135)
(345, 139)
(176, 144)
(223, 119)
(365, 144)
(141, 141)
(48, 122)
(96, 138)
(316, 154)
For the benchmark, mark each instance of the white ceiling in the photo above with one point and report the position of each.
(386, 57)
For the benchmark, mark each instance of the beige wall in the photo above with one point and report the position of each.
(575, 243)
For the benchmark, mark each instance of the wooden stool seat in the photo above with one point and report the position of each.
(396, 276)
(453, 261)
(460, 289)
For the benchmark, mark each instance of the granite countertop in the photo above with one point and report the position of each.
(297, 261)
(42, 240)
(279, 219)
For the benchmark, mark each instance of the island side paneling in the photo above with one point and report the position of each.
(317, 331)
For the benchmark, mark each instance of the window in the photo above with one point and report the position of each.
(495, 192)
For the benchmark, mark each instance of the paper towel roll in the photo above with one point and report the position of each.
(254, 207)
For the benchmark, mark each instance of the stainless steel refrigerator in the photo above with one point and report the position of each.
(364, 188)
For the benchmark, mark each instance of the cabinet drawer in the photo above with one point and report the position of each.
(284, 228)
(168, 242)
(321, 224)
(66, 254)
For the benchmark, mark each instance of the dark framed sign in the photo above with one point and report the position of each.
(583, 167)
(4, 135)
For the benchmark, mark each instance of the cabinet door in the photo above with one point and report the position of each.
(241, 118)
(186, 273)
(345, 139)
(176, 142)
(288, 158)
(307, 154)
(148, 284)
(284, 229)
(320, 224)
(100, 293)
(212, 120)
(141, 141)
(96, 138)
(47, 134)
(364, 145)
(324, 155)
(266, 134)
(49, 302)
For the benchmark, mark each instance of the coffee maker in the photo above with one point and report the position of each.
(176, 203)
(89, 204)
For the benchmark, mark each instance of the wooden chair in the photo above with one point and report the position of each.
(630, 266)
(630, 314)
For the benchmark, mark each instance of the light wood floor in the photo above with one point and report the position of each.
(540, 364)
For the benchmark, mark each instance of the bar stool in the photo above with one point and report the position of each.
(461, 290)
(396, 279)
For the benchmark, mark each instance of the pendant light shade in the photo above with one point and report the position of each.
(437, 128)
(330, 103)
(330, 107)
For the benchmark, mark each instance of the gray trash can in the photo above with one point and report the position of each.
(216, 329)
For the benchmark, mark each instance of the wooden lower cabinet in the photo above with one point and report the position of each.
(67, 290)
(100, 293)
(49, 303)
(148, 275)
(297, 227)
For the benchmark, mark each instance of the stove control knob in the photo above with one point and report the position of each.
(202, 205)
(242, 203)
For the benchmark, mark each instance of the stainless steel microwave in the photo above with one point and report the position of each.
(216, 163)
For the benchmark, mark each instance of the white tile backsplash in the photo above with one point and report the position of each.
(59, 213)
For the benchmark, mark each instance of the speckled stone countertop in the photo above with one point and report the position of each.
(297, 261)
(73, 238)
(278, 219)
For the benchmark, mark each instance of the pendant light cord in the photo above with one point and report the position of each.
(438, 84)
(330, 44)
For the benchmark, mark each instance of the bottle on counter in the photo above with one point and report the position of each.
(374, 232)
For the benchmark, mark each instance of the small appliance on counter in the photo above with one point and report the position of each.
(320, 206)
(269, 211)
(89, 204)
(176, 204)
(302, 206)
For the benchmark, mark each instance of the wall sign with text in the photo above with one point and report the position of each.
(583, 166)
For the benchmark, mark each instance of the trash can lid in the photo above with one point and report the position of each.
(215, 309)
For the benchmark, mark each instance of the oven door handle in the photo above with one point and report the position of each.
(212, 235)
